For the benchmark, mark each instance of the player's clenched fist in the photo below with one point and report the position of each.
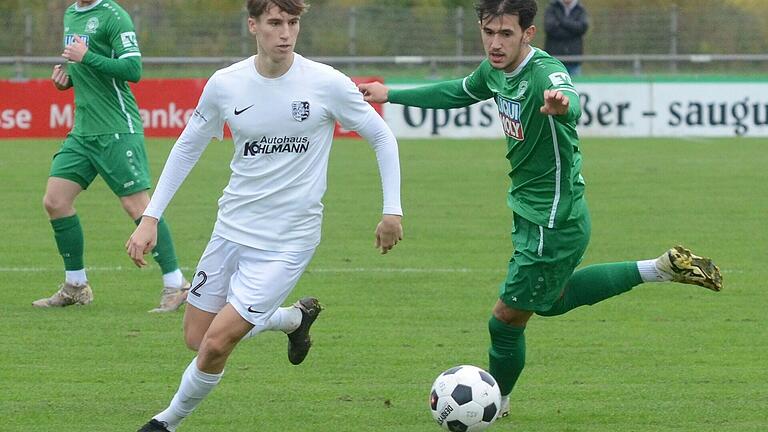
(374, 92)
(60, 78)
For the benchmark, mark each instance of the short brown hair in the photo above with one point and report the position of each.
(524, 9)
(293, 7)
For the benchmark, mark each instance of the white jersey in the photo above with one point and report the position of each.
(282, 130)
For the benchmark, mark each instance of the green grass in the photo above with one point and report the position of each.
(663, 357)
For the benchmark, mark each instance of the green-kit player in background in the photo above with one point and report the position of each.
(538, 107)
(107, 139)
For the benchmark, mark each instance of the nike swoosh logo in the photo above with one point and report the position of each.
(250, 308)
(242, 110)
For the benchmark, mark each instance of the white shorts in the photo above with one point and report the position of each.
(256, 282)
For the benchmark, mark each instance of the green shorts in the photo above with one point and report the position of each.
(120, 159)
(543, 261)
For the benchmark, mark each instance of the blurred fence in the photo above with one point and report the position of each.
(708, 36)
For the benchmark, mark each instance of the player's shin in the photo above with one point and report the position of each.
(506, 356)
(195, 386)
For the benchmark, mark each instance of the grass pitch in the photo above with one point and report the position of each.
(663, 357)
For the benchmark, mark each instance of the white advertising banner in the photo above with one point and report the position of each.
(615, 109)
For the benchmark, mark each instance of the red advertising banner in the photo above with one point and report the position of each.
(35, 109)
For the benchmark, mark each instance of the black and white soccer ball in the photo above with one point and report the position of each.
(465, 399)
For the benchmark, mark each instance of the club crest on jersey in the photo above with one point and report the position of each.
(521, 88)
(300, 110)
(509, 114)
(92, 25)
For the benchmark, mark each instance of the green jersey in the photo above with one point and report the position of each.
(104, 103)
(543, 150)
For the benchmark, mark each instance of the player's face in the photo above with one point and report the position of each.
(505, 42)
(276, 32)
(83, 3)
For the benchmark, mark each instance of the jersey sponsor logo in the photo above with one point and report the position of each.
(509, 114)
(129, 40)
(238, 112)
(69, 39)
(560, 78)
(272, 145)
(300, 110)
(92, 25)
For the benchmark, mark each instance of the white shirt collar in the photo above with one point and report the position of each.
(522, 64)
(87, 8)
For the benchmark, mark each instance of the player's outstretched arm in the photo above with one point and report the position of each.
(388, 232)
(375, 92)
(60, 78)
(142, 241)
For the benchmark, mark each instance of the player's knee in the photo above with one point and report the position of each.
(213, 349)
(135, 204)
(507, 315)
(55, 205)
(192, 341)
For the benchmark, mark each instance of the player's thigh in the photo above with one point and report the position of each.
(72, 162)
(210, 287)
(121, 160)
(264, 280)
(543, 261)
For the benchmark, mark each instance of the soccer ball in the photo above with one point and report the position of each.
(465, 399)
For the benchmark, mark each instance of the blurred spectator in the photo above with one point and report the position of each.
(565, 22)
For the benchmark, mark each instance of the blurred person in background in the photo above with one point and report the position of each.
(107, 140)
(565, 23)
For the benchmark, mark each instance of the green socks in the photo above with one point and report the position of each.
(596, 283)
(164, 253)
(506, 357)
(70, 241)
(585, 287)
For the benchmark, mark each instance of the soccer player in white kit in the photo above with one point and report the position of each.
(281, 109)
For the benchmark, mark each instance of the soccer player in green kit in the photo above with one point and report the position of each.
(538, 107)
(107, 140)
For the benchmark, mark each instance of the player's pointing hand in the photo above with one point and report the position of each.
(555, 103)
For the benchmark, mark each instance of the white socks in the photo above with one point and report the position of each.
(75, 277)
(285, 319)
(650, 272)
(173, 279)
(195, 386)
